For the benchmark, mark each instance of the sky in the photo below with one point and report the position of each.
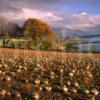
(71, 14)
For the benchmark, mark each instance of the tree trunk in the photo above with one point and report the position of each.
(5, 42)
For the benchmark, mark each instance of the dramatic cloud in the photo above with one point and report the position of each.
(58, 13)
(83, 21)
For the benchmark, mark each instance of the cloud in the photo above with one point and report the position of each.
(81, 20)
(56, 19)
(20, 10)
(41, 4)
(84, 13)
(26, 13)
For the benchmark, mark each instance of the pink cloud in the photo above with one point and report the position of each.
(73, 21)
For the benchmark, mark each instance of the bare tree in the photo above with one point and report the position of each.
(4, 35)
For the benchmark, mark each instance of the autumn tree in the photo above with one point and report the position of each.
(39, 32)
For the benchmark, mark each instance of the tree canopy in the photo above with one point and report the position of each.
(33, 30)
(36, 28)
(12, 29)
(39, 31)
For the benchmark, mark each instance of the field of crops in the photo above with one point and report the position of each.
(35, 75)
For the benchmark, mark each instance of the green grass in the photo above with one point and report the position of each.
(0, 42)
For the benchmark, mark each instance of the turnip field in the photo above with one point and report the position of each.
(40, 75)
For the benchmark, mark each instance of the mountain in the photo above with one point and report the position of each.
(91, 36)
(65, 32)
(90, 32)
